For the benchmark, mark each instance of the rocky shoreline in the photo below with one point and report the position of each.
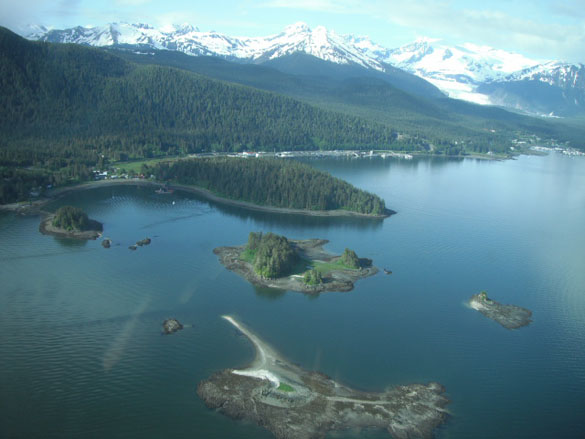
(293, 403)
(46, 228)
(340, 280)
(509, 316)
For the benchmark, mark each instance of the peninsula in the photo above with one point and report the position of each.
(274, 261)
(70, 222)
(292, 402)
(294, 186)
(509, 316)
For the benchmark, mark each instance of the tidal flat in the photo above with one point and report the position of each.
(294, 403)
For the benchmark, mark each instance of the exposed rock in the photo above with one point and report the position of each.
(107, 243)
(171, 325)
(509, 316)
(145, 241)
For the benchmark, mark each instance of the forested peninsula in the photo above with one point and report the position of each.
(285, 184)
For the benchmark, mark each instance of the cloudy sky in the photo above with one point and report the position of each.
(541, 29)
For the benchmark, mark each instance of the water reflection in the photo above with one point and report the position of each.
(269, 293)
(71, 242)
(377, 164)
(272, 220)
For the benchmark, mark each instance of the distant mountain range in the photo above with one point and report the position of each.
(478, 74)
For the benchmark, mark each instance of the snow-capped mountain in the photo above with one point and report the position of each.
(319, 42)
(464, 71)
(457, 70)
(553, 73)
(551, 89)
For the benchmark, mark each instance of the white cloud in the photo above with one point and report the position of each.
(331, 6)
(132, 2)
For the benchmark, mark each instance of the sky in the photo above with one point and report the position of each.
(540, 29)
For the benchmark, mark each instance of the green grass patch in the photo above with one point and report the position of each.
(285, 388)
(136, 165)
(328, 267)
(248, 255)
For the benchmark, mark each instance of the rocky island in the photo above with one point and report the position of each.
(509, 316)
(70, 222)
(294, 403)
(274, 261)
(171, 325)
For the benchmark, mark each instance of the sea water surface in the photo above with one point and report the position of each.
(81, 350)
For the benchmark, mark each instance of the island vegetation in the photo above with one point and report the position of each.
(272, 255)
(272, 182)
(71, 222)
(350, 259)
(71, 218)
(313, 277)
(274, 261)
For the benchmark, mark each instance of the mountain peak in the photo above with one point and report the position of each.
(185, 28)
(297, 27)
(426, 40)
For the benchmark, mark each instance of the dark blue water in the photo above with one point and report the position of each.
(81, 355)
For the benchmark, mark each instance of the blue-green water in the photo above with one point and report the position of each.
(81, 355)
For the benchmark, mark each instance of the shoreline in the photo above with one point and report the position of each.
(272, 209)
(35, 207)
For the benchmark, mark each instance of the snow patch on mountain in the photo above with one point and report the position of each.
(456, 70)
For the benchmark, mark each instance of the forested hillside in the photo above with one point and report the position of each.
(271, 182)
(451, 126)
(67, 108)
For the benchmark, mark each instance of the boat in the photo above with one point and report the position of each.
(164, 190)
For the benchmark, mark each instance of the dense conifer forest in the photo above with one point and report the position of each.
(271, 182)
(273, 254)
(71, 218)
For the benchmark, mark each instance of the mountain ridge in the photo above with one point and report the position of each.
(465, 71)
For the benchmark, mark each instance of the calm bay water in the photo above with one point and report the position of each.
(81, 355)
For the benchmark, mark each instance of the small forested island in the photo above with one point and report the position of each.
(509, 316)
(291, 402)
(274, 261)
(270, 184)
(70, 222)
